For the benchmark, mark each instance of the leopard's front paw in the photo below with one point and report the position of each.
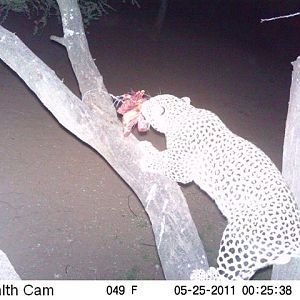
(200, 274)
(146, 147)
(148, 160)
(145, 164)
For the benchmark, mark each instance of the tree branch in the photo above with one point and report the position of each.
(291, 165)
(280, 17)
(95, 122)
(7, 271)
(58, 40)
(88, 76)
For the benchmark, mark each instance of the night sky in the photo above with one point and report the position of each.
(239, 20)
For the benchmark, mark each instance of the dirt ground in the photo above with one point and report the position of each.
(64, 213)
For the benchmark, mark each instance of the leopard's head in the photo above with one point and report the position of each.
(163, 111)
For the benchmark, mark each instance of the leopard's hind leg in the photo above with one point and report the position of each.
(234, 259)
(249, 243)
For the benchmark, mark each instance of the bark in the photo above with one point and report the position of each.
(7, 271)
(94, 121)
(291, 165)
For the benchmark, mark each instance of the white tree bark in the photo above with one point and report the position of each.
(291, 165)
(94, 121)
(7, 271)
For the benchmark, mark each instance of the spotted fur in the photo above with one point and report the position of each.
(263, 218)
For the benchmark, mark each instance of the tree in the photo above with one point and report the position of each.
(7, 271)
(93, 120)
(291, 165)
(291, 154)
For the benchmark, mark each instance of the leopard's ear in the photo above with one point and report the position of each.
(186, 100)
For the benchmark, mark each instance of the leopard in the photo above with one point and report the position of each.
(263, 219)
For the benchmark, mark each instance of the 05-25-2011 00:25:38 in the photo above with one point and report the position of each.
(231, 290)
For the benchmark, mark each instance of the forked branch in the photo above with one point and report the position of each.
(94, 121)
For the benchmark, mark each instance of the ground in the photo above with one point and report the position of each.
(64, 213)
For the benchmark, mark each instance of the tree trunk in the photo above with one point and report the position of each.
(94, 121)
(7, 271)
(291, 165)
